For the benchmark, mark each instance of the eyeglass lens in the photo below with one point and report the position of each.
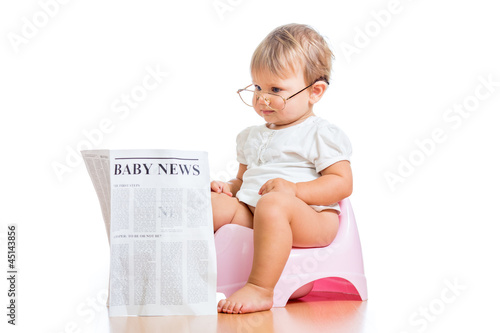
(275, 102)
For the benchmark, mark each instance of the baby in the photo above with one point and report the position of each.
(294, 169)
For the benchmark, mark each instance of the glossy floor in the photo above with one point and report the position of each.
(312, 314)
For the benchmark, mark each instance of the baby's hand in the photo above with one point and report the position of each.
(220, 187)
(278, 185)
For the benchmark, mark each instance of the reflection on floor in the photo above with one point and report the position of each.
(314, 313)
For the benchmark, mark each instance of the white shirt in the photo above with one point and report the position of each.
(297, 154)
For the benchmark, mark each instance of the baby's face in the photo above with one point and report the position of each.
(296, 110)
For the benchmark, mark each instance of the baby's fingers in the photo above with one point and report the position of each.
(224, 188)
(225, 191)
(265, 188)
(216, 186)
(220, 187)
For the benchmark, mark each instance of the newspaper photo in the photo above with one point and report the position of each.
(158, 216)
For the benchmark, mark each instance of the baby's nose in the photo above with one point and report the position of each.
(261, 99)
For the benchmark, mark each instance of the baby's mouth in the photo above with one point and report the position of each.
(267, 112)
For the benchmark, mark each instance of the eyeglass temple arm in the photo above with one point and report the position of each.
(240, 90)
(298, 92)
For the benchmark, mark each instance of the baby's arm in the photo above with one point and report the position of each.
(231, 187)
(334, 185)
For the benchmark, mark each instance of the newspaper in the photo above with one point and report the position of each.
(157, 211)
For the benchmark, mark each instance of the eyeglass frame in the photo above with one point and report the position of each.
(271, 93)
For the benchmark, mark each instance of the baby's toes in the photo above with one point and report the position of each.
(230, 307)
(237, 308)
(227, 307)
(222, 303)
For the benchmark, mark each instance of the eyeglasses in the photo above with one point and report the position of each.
(272, 100)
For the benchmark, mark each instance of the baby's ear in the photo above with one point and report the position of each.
(317, 91)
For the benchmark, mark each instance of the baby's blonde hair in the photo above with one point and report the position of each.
(292, 45)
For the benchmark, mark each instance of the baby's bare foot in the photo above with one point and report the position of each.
(250, 298)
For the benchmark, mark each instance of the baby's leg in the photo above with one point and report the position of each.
(226, 209)
(280, 222)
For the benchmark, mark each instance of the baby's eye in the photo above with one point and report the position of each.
(257, 88)
(275, 90)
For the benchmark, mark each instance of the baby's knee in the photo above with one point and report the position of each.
(273, 198)
(219, 198)
(221, 203)
(275, 203)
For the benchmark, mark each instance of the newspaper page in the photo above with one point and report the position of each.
(158, 215)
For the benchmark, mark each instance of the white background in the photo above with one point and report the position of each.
(63, 78)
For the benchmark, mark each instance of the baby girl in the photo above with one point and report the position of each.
(293, 170)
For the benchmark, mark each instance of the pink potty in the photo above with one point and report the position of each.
(336, 268)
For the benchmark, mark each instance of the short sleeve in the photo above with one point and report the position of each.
(330, 146)
(241, 139)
